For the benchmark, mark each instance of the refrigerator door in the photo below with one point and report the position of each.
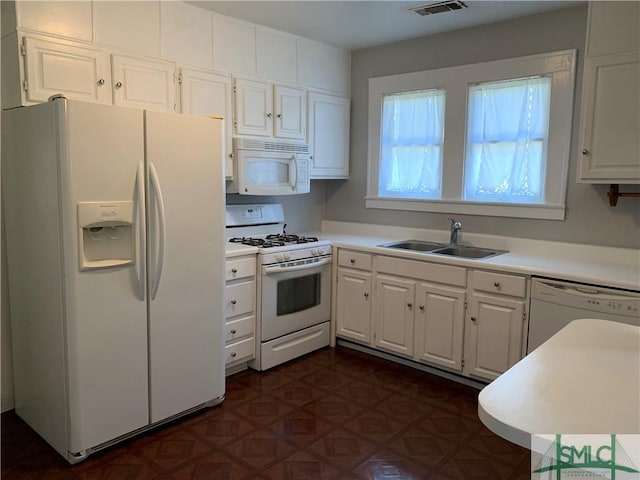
(106, 329)
(186, 261)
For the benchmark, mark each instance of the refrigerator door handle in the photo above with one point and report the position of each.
(140, 227)
(157, 195)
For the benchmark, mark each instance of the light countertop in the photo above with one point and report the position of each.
(583, 380)
(606, 266)
(238, 249)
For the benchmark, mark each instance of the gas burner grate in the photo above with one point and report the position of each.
(257, 242)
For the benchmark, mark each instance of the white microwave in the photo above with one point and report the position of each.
(265, 167)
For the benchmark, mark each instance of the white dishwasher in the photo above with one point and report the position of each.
(555, 303)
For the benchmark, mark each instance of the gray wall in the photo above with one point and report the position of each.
(589, 218)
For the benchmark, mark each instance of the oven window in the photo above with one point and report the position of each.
(298, 294)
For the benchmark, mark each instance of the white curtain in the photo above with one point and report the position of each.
(507, 130)
(411, 144)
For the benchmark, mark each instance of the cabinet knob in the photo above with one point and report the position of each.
(409, 305)
(496, 284)
(233, 355)
(231, 155)
(268, 115)
(101, 82)
(233, 302)
(421, 307)
(234, 270)
(118, 84)
(279, 115)
(353, 260)
(473, 319)
(366, 295)
(233, 332)
(585, 151)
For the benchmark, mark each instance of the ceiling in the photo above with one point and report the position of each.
(360, 24)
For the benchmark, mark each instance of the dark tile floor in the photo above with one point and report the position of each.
(334, 414)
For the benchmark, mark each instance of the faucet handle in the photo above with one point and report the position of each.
(455, 224)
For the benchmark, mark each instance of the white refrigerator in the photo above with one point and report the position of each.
(115, 245)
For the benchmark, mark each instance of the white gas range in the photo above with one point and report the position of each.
(294, 284)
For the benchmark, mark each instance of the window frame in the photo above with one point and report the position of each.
(560, 65)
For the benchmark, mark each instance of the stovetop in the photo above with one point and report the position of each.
(274, 240)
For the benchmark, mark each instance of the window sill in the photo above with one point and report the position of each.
(542, 212)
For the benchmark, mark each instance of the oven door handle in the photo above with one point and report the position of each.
(273, 269)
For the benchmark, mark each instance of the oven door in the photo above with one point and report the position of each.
(295, 297)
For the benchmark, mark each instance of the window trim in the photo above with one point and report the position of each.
(560, 65)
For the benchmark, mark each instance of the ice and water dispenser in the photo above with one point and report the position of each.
(106, 236)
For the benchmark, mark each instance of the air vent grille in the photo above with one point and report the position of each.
(265, 145)
(440, 7)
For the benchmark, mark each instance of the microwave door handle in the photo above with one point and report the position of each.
(295, 169)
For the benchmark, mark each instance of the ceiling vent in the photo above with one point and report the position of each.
(439, 7)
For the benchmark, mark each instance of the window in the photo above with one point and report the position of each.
(486, 139)
(411, 144)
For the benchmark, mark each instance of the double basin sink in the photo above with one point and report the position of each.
(461, 251)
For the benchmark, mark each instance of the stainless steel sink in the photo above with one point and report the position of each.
(417, 245)
(468, 252)
(444, 249)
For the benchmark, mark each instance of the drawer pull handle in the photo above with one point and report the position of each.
(353, 260)
(233, 354)
(233, 332)
(234, 270)
(496, 284)
(233, 302)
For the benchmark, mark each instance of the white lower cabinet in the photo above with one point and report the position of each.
(353, 304)
(495, 325)
(467, 321)
(439, 325)
(393, 317)
(240, 311)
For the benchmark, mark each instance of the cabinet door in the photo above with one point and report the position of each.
(208, 93)
(439, 325)
(77, 71)
(394, 314)
(143, 83)
(290, 109)
(493, 335)
(276, 55)
(353, 315)
(329, 135)
(253, 103)
(611, 119)
(234, 45)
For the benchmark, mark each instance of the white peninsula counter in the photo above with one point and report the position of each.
(583, 380)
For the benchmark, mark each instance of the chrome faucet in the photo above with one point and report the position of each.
(455, 226)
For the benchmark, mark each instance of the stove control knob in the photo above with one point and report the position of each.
(279, 257)
(320, 251)
(287, 256)
(314, 251)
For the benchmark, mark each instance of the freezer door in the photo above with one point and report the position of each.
(106, 330)
(186, 261)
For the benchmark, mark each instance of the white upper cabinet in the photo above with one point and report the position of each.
(234, 45)
(69, 18)
(208, 93)
(322, 66)
(268, 110)
(609, 150)
(78, 71)
(187, 34)
(613, 27)
(131, 25)
(143, 83)
(276, 55)
(329, 135)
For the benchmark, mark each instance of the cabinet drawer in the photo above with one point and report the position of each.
(434, 272)
(499, 283)
(239, 328)
(240, 268)
(240, 298)
(242, 350)
(348, 258)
